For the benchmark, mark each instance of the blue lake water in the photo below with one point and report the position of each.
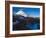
(33, 26)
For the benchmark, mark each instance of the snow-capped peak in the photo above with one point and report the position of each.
(21, 13)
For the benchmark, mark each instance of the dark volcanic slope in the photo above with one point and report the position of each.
(19, 22)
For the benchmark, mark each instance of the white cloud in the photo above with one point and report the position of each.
(21, 13)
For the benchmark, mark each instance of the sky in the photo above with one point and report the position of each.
(29, 11)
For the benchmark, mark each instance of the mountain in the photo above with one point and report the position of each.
(21, 13)
(22, 16)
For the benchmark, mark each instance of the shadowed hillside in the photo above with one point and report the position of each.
(25, 23)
